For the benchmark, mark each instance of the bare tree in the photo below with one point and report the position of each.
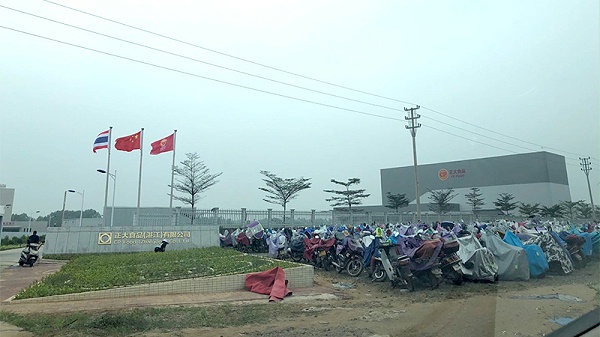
(281, 190)
(193, 178)
(347, 197)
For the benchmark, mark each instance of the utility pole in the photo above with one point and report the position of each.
(412, 126)
(586, 168)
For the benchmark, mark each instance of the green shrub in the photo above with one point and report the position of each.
(88, 272)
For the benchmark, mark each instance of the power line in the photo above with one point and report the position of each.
(200, 76)
(306, 77)
(243, 86)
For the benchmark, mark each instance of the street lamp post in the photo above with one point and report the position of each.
(62, 220)
(81, 211)
(29, 226)
(114, 177)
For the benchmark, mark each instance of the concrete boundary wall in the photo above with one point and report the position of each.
(298, 277)
(69, 240)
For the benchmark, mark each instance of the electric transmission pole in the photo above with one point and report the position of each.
(412, 126)
(586, 168)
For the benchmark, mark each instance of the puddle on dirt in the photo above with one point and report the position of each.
(562, 320)
(343, 286)
(561, 297)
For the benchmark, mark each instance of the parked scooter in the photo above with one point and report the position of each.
(574, 246)
(393, 265)
(30, 254)
(349, 256)
(162, 247)
(450, 262)
(277, 243)
(424, 258)
(319, 252)
(295, 249)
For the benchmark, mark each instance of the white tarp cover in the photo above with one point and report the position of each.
(479, 262)
(512, 261)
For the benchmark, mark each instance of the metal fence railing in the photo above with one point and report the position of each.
(236, 218)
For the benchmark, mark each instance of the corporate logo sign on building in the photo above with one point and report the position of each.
(444, 174)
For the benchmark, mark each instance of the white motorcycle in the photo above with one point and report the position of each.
(30, 255)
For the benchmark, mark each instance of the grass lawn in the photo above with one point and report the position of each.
(128, 322)
(88, 272)
(7, 247)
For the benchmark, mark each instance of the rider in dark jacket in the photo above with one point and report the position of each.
(33, 238)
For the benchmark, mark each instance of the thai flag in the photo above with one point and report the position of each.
(101, 141)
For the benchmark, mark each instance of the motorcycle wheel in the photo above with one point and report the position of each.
(434, 281)
(354, 267)
(21, 263)
(31, 263)
(296, 257)
(379, 273)
(457, 278)
(326, 263)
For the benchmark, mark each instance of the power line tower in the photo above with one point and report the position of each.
(413, 126)
(586, 168)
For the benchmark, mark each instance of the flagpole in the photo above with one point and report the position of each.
(172, 177)
(140, 177)
(107, 176)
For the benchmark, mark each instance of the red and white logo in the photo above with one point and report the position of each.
(443, 174)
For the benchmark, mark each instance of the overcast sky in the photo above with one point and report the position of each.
(523, 73)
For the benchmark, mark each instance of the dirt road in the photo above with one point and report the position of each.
(358, 307)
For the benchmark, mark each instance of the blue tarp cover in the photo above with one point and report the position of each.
(535, 255)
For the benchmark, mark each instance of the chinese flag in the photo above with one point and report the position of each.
(163, 145)
(128, 143)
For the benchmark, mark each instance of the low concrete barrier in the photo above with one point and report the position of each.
(298, 277)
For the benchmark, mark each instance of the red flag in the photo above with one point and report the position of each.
(128, 143)
(163, 145)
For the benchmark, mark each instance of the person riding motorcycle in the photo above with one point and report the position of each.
(33, 238)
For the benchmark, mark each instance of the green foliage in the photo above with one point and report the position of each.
(504, 203)
(137, 321)
(440, 200)
(17, 241)
(396, 201)
(88, 272)
(529, 209)
(554, 211)
(571, 208)
(586, 211)
(347, 197)
(474, 199)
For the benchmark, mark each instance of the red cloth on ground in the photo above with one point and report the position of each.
(270, 282)
(314, 244)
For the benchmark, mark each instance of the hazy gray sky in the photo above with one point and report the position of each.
(527, 70)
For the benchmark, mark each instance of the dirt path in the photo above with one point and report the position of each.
(340, 305)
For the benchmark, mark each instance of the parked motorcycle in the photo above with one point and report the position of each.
(319, 252)
(30, 254)
(277, 243)
(450, 262)
(295, 249)
(162, 247)
(574, 246)
(393, 266)
(349, 256)
(424, 257)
